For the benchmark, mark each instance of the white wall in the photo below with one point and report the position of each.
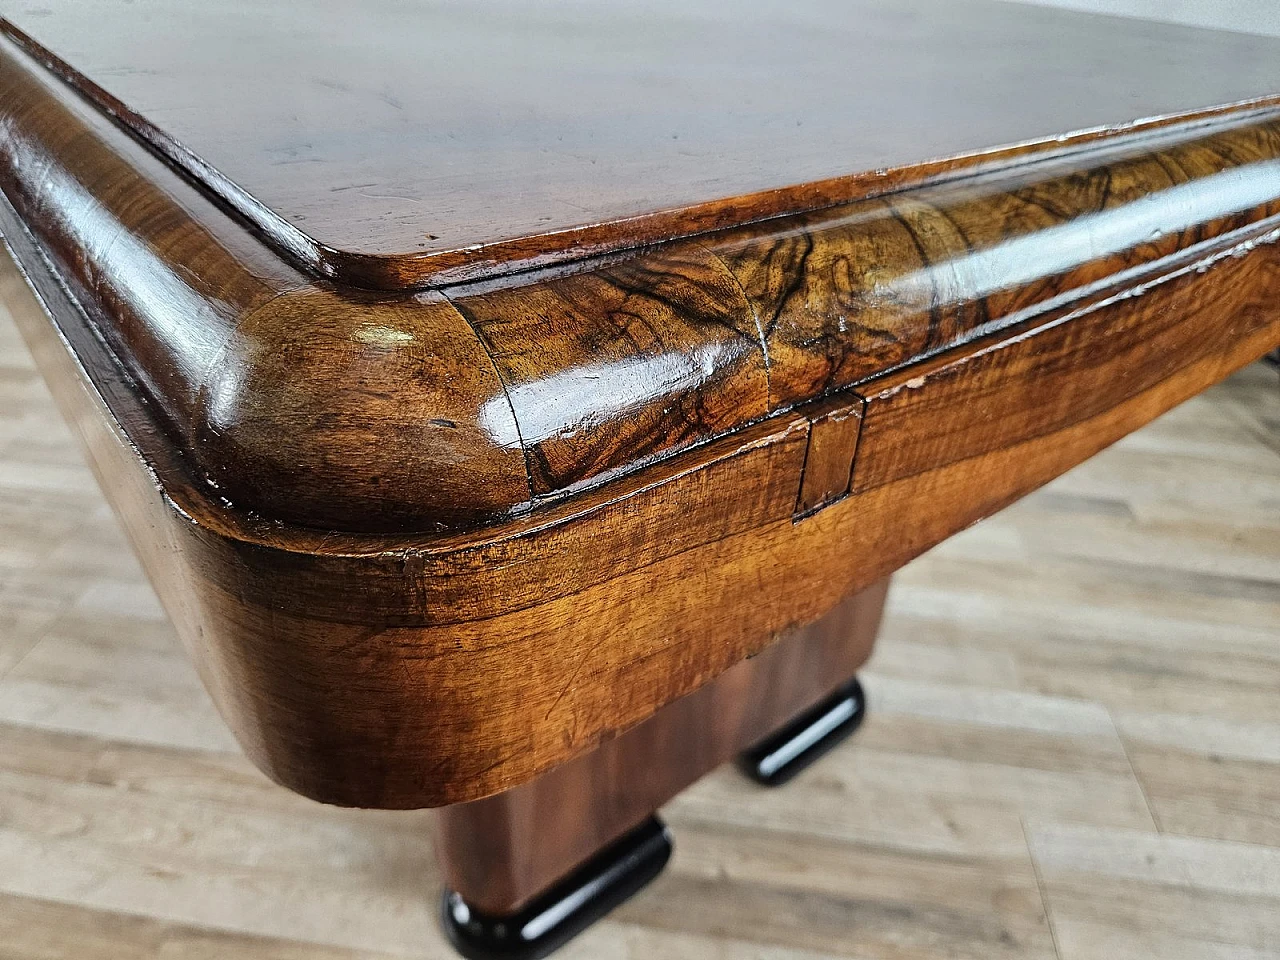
(1253, 16)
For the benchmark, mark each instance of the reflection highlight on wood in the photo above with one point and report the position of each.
(427, 545)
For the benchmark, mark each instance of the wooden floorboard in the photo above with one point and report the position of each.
(1073, 748)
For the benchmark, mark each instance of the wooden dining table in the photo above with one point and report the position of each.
(520, 409)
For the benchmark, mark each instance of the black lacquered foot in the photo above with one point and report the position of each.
(785, 753)
(568, 908)
(1273, 358)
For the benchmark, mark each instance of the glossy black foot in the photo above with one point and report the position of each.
(1273, 358)
(568, 908)
(786, 752)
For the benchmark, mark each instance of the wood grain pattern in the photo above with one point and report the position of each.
(425, 546)
(952, 408)
(502, 851)
(441, 414)
(407, 734)
(612, 366)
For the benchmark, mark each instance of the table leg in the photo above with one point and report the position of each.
(529, 868)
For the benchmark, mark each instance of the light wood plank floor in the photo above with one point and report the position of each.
(1073, 748)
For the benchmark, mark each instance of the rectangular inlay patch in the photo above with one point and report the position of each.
(833, 441)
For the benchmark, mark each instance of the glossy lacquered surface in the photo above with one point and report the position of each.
(383, 671)
(426, 546)
(340, 410)
(393, 144)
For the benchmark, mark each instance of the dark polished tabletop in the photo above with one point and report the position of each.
(442, 138)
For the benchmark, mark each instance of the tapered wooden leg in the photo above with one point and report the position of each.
(505, 853)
